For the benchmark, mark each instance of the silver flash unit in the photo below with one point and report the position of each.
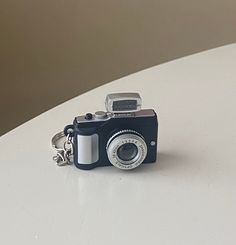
(123, 102)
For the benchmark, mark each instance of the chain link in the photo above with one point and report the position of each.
(64, 155)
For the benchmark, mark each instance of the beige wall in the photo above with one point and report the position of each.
(51, 51)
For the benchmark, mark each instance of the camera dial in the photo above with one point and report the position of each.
(126, 149)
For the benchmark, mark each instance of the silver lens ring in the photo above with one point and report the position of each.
(126, 137)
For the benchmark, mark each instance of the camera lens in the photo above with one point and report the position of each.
(126, 149)
(127, 152)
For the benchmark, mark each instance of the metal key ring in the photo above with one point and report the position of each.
(55, 139)
(63, 154)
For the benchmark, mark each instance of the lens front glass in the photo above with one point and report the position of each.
(127, 151)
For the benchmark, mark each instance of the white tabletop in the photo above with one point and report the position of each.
(187, 197)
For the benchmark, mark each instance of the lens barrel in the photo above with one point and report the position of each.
(126, 149)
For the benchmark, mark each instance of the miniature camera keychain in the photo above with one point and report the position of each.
(124, 136)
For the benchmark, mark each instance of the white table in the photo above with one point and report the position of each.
(187, 197)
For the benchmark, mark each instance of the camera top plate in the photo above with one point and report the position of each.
(94, 118)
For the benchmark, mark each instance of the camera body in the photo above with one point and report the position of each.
(123, 139)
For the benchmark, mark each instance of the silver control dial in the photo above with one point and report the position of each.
(100, 114)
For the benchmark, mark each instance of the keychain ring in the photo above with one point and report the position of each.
(55, 140)
(63, 154)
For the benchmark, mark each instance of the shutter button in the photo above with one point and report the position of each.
(89, 116)
(100, 114)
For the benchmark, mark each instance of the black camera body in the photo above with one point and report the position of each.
(124, 139)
